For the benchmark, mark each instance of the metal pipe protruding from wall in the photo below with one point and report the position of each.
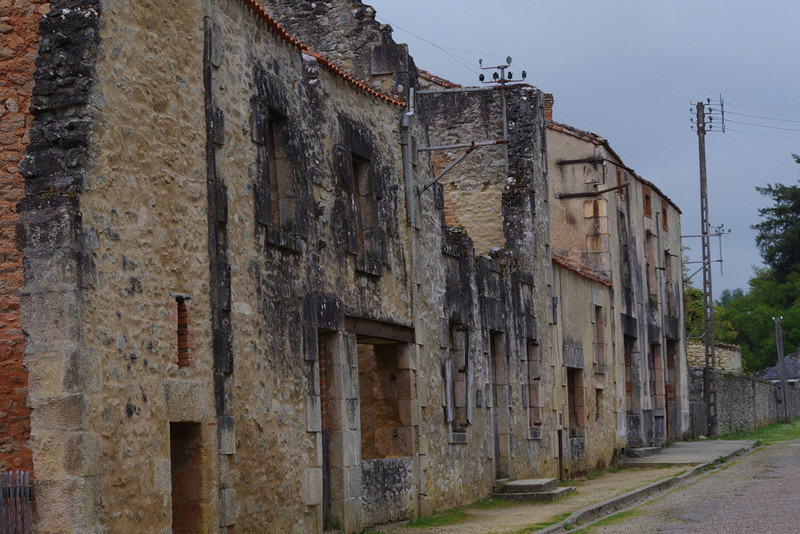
(408, 171)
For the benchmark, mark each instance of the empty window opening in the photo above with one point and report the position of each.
(657, 363)
(599, 338)
(664, 216)
(631, 395)
(281, 184)
(647, 201)
(459, 343)
(184, 354)
(188, 491)
(534, 381)
(669, 285)
(365, 205)
(650, 258)
(598, 395)
(386, 430)
(575, 393)
(624, 257)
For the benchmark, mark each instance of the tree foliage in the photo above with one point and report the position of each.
(751, 314)
(724, 331)
(774, 290)
(778, 237)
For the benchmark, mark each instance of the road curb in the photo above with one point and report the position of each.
(604, 508)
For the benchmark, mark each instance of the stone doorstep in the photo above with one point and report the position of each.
(535, 496)
(529, 485)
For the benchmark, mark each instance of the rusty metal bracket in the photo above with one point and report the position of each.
(562, 196)
(450, 167)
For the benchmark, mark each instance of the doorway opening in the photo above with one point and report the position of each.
(188, 492)
(500, 411)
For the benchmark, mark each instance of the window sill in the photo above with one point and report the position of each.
(458, 438)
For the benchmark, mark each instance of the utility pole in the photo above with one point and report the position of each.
(781, 366)
(500, 78)
(709, 387)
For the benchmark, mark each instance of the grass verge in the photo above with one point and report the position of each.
(615, 519)
(439, 519)
(538, 526)
(768, 434)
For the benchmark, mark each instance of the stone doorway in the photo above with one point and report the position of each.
(500, 411)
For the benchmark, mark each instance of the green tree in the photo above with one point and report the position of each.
(751, 313)
(724, 331)
(778, 237)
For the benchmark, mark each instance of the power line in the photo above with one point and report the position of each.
(764, 126)
(442, 49)
(473, 52)
(760, 117)
(763, 134)
(759, 107)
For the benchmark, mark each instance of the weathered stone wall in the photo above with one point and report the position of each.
(728, 357)
(608, 233)
(473, 191)
(743, 403)
(19, 31)
(509, 220)
(346, 32)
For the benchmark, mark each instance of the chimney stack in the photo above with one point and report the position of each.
(548, 106)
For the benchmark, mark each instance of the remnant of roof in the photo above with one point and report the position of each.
(598, 141)
(581, 270)
(447, 84)
(278, 30)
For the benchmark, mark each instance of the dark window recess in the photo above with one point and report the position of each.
(186, 466)
(647, 200)
(184, 354)
(366, 212)
(281, 184)
(575, 393)
(459, 347)
(534, 379)
(664, 216)
(599, 336)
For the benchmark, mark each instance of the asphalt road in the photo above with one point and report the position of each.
(759, 493)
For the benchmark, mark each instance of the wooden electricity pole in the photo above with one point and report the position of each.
(781, 366)
(709, 388)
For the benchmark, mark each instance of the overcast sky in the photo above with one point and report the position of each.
(628, 70)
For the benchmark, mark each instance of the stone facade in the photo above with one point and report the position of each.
(243, 308)
(19, 28)
(728, 357)
(607, 218)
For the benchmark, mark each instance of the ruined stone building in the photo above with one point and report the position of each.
(244, 304)
(608, 220)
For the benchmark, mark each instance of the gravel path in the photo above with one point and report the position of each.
(759, 493)
(518, 516)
